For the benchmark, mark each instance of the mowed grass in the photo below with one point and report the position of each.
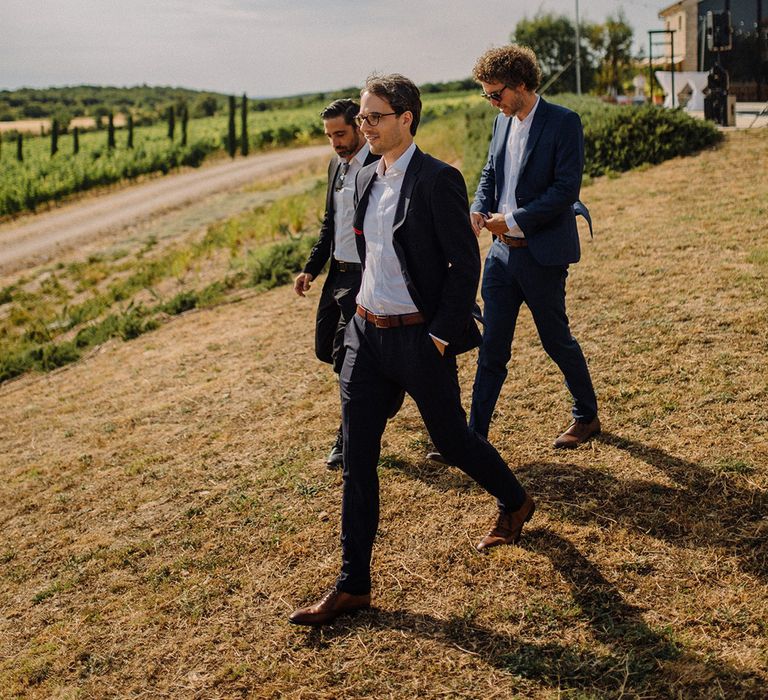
(164, 503)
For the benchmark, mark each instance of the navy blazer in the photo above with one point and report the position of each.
(323, 249)
(548, 186)
(434, 242)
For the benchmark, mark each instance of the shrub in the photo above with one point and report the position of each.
(615, 138)
(624, 137)
(276, 264)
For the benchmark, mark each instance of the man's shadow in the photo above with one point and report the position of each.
(635, 662)
(706, 508)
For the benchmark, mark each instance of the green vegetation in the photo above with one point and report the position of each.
(616, 138)
(51, 322)
(41, 178)
(82, 305)
(606, 61)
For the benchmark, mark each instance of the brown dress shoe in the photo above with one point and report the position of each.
(577, 433)
(333, 604)
(509, 526)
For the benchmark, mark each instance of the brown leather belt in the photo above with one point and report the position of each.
(342, 266)
(383, 321)
(513, 242)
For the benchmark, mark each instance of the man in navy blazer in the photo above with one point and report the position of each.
(525, 198)
(421, 267)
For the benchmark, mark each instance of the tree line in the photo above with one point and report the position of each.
(172, 113)
(606, 61)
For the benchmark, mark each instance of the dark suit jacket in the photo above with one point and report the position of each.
(323, 249)
(433, 239)
(548, 184)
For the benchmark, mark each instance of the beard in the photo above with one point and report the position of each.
(349, 150)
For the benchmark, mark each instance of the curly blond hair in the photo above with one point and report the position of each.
(512, 65)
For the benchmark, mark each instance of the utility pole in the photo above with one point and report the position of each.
(578, 51)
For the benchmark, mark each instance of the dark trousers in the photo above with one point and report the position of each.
(511, 277)
(379, 362)
(337, 305)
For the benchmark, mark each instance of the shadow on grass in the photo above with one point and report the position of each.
(639, 661)
(707, 508)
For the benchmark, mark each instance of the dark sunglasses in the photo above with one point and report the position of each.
(372, 118)
(343, 170)
(495, 96)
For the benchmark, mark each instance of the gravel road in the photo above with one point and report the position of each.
(39, 237)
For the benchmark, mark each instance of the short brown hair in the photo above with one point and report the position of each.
(512, 65)
(401, 93)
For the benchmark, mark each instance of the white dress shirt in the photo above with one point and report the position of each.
(518, 140)
(344, 247)
(383, 290)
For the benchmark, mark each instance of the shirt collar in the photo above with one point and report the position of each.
(529, 117)
(399, 166)
(362, 154)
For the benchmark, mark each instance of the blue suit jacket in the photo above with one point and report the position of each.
(548, 186)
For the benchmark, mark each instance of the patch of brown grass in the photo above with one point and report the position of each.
(164, 503)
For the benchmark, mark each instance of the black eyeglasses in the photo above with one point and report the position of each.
(495, 96)
(372, 118)
(343, 170)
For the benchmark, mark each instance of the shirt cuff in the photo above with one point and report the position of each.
(439, 340)
(514, 229)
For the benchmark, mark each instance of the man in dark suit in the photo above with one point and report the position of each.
(421, 267)
(337, 243)
(526, 198)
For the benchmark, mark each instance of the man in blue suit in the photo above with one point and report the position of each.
(526, 199)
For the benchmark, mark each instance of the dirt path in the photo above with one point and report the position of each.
(37, 238)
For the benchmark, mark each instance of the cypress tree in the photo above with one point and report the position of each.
(111, 131)
(75, 141)
(171, 122)
(129, 144)
(19, 147)
(244, 125)
(184, 120)
(231, 144)
(54, 137)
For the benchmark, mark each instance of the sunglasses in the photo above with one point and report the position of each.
(495, 96)
(343, 170)
(372, 118)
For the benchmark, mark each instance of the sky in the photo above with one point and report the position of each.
(267, 48)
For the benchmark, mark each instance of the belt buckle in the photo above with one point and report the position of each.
(381, 320)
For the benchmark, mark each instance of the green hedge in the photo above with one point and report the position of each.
(615, 138)
(623, 138)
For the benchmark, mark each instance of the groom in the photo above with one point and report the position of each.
(421, 267)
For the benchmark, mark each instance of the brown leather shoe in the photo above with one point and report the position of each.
(333, 604)
(509, 526)
(577, 433)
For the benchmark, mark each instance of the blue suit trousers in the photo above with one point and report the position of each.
(512, 276)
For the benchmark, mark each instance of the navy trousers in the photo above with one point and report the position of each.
(512, 276)
(379, 362)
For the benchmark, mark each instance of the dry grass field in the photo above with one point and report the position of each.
(164, 504)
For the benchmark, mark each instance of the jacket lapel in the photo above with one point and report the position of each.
(409, 180)
(501, 153)
(539, 119)
(333, 173)
(365, 179)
